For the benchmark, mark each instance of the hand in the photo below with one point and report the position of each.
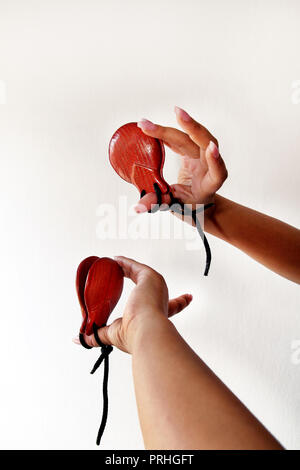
(202, 170)
(147, 306)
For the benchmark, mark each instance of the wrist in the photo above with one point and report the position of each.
(146, 326)
(212, 219)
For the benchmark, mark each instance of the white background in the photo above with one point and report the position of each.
(74, 71)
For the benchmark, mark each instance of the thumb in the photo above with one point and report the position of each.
(216, 166)
(107, 334)
(146, 202)
(179, 304)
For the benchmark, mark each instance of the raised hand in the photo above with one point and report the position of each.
(202, 170)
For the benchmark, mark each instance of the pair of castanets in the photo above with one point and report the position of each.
(139, 160)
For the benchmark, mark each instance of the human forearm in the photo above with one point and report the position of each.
(203, 171)
(182, 404)
(269, 241)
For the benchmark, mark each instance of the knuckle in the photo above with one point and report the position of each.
(161, 131)
(160, 278)
(225, 174)
(195, 126)
(148, 272)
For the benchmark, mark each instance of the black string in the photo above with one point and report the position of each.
(177, 206)
(106, 349)
(83, 343)
(205, 241)
(158, 195)
(104, 356)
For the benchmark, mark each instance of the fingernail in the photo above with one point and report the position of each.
(147, 125)
(140, 208)
(76, 340)
(213, 149)
(182, 114)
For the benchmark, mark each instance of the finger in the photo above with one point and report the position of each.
(216, 167)
(107, 334)
(103, 334)
(178, 304)
(187, 169)
(177, 140)
(132, 269)
(146, 202)
(198, 133)
(179, 191)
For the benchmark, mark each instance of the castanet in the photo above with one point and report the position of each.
(99, 285)
(139, 160)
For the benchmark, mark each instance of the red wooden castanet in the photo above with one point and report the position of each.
(99, 285)
(82, 273)
(138, 158)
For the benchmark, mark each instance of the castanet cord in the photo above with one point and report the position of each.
(177, 206)
(104, 356)
(83, 343)
(204, 239)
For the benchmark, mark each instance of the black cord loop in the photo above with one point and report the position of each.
(177, 206)
(106, 349)
(83, 343)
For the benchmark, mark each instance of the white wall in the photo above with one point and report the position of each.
(76, 70)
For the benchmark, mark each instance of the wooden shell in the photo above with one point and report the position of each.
(138, 158)
(99, 285)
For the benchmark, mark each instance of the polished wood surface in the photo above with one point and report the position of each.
(99, 285)
(138, 158)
